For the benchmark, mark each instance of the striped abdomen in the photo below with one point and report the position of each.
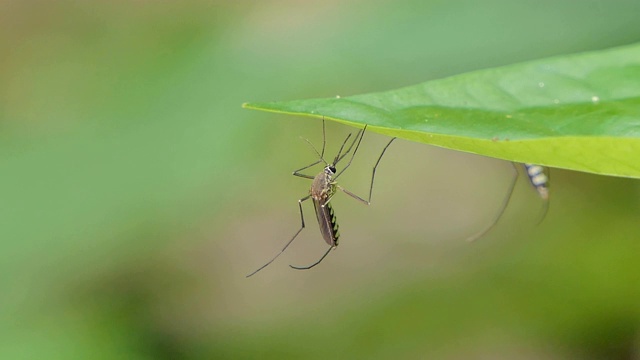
(327, 222)
(538, 179)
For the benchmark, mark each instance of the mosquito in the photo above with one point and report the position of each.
(538, 178)
(323, 187)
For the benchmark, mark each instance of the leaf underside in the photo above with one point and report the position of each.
(578, 112)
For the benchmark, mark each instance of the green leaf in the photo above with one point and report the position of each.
(579, 112)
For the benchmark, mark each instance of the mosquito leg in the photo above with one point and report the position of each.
(373, 177)
(543, 213)
(358, 137)
(505, 202)
(314, 264)
(324, 139)
(297, 172)
(340, 155)
(373, 174)
(324, 143)
(290, 241)
(353, 195)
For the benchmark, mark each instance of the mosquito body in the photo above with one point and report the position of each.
(323, 188)
(540, 182)
(538, 179)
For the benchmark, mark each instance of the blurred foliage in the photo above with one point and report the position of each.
(137, 193)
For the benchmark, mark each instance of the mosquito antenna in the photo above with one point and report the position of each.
(314, 264)
(324, 143)
(361, 133)
(321, 155)
(505, 202)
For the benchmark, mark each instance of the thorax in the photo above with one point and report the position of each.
(322, 187)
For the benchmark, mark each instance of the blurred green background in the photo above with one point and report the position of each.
(137, 193)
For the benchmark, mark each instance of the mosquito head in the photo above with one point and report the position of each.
(330, 169)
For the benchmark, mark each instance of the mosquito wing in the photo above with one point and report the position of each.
(327, 222)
